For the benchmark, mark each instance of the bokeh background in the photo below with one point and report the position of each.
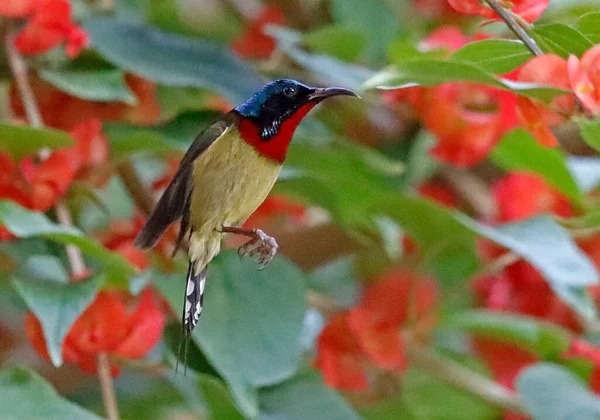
(439, 240)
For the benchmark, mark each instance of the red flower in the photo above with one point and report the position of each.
(276, 206)
(106, 326)
(529, 10)
(384, 307)
(521, 195)
(467, 119)
(63, 111)
(51, 25)
(584, 76)
(254, 43)
(339, 356)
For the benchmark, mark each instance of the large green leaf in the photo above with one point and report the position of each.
(550, 249)
(551, 392)
(25, 224)
(562, 40)
(57, 306)
(173, 60)
(545, 339)
(24, 395)
(430, 72)
(374, 19)
(585, 171)
(337, 280)
(303, 397)
(98, 85)
(22, 140)
(589, 26)
(497, 56)
(518, 150)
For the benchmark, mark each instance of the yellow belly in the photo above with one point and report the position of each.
(230, 180)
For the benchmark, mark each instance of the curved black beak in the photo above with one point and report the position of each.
(321, 93)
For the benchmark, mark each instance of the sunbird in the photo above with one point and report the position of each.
(227, 172)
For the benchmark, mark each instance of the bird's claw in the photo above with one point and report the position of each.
(262, 248)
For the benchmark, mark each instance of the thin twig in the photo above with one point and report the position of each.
(462, 378)
(76, 261)
(514, 26)
(108, 389)
(134, 186)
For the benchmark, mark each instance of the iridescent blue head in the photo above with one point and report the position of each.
(277, 101)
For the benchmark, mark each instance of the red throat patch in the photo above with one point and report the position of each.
(276, 147)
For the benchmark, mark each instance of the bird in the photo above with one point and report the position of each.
(226, 173)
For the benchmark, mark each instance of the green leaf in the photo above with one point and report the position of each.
(518, 150)
(24, 395)
(25, 224)
(373, 19)
(589, 26)
(496, 56)
(337, 280)
(338, 41)
(563, 40)
(551, 392)
(431, 72)
(57, 306)
(217, 398)
(590, 131)
(173, 60)
(98, 85)
(22, 140)
(45, 267)
(549, 248)
(303, 397)
(543, 338)
(585, 171)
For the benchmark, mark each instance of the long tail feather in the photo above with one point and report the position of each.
(192, 308)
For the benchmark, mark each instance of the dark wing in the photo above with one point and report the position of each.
(175, 201)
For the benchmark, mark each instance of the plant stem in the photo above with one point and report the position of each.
(74, 255)
(462, 378)
(142, 198)
(107, 386)
(514, 26)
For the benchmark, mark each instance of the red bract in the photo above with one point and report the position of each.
(584, 76)
(106, 326)
(529, 10)
(384, 307)
(51, 25)
(254, 43)
(521, 195)
(339, 357)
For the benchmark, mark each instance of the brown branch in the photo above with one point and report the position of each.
(515, 27)
(474, 191)
(107, 386)
(142, 198)
(76, 261)
(462, 378)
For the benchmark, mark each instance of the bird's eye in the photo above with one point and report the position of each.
(289, 91)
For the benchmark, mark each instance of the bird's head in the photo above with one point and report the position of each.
(271, 115)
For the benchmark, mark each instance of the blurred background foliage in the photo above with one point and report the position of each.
(439, 238)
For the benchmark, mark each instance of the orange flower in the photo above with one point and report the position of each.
(254, 43)
(51, 25)
(106, 326)
(19, 8)
(529, 10)
(584, 76)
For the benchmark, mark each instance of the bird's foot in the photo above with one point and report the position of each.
(261, 246)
